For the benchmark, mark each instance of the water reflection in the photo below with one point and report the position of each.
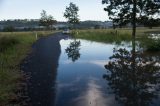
(134, 77)
(154, 36)
(73, 50)
(80, 83)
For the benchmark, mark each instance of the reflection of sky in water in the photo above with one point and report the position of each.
(89, 50)
(93, 96)
(80, 83)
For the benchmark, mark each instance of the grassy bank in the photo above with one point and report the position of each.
(13, 49)
(110, 35)
(103, 35)
(118, 35)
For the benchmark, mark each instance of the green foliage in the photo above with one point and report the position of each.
(124, 11)
(71, 13)
(46, 20)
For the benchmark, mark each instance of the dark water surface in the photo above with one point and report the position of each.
(69, 72)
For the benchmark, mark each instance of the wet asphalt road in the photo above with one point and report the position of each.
(41, 65)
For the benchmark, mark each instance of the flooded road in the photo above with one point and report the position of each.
(80, 82)
(75, 72)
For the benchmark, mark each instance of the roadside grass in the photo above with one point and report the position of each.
(14, 47)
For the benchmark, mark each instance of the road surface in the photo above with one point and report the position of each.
(41, 65)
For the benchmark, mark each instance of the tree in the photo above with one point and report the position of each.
(129, 11)
(50, 21)
(71, 13)
(46, 20)
(43, 19)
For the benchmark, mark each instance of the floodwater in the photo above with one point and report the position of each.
(89, 73)
(84, 80)
(80, 82)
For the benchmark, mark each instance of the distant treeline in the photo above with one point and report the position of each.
(33, 24)
(20, 22)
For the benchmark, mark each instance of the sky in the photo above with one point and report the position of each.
(31, 9)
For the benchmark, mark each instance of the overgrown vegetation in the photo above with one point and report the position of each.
(13, 48)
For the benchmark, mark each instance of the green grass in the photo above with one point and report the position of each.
(106, 36)
(13, 49)
(110, 35)
(119, 35)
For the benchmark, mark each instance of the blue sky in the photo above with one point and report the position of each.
(30, 9)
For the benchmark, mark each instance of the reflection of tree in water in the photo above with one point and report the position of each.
(73, 50)
(134, 78)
